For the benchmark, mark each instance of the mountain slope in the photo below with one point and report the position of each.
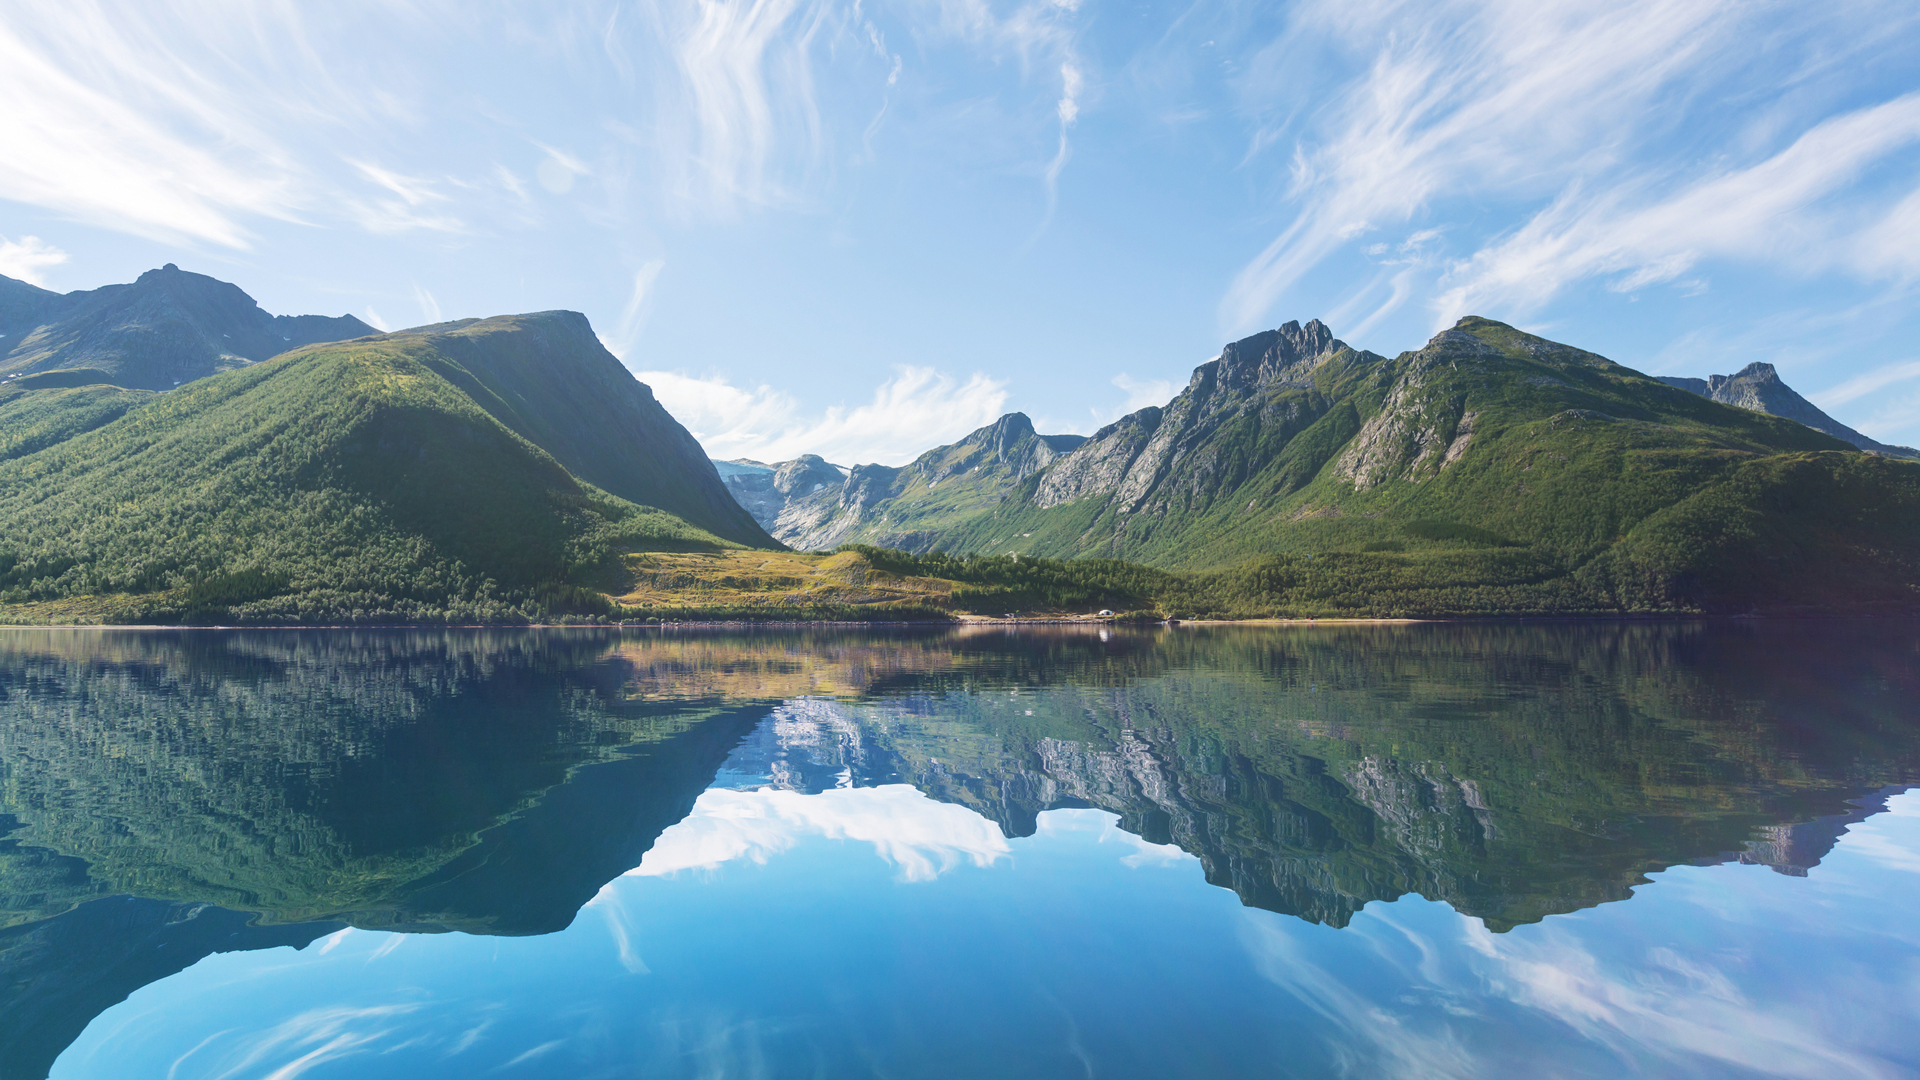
(547, 378)
(1490, 471)
(911, 507)
(386, 478)
(167, 328)
(1758, 387)
(766, 490)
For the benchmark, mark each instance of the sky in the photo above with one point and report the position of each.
(862, 228)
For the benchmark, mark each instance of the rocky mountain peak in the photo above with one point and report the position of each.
(805, 475)
(1758, 388)
(1283, 354)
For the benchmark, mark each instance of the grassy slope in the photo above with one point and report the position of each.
(589, 413)
(1586, 487)
(352, 481)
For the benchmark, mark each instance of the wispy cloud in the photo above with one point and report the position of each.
(312, 1039)
(633, 317)
(1768, 211)
(1140, 394)
(918, 408)
(429, 307)
(740, 125)
(26, 257)
(409, 203)
(1867, 383)
(1503, 95)
(103, 128)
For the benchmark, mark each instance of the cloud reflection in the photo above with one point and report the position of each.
(921, 837)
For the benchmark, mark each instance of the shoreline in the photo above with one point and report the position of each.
(956, 624)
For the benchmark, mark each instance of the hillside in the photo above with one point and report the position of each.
(167, 328)
(1489, 472)
(485, 470)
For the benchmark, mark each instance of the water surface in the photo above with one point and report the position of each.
(1463, 850)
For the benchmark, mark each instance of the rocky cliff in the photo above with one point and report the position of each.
(1758, 387)
(809, 504)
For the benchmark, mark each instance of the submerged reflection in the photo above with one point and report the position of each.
(168, 795)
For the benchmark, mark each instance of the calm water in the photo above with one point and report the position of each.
(1425, 851)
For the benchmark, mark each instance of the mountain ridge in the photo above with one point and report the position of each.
(451, 473)
(1758, 388)
(168, 327)
(1489, 471)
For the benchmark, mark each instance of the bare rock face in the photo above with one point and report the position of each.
(1160, 458)
(766, 491)
(1423, 426)
(1757, 388)
(167, 328)
(810, 504)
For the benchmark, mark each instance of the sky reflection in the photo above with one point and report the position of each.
(876, 932)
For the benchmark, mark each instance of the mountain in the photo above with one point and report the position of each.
(1758, 387)
(1490, 471)
(476, 470)
(766, 490)
(167, 328)
(809, 505)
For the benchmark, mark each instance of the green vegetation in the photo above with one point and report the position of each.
(1490, 473)
(353, 482)
(509, 470)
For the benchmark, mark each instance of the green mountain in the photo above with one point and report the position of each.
(477, 470)
(1491, 471)
(167, 328)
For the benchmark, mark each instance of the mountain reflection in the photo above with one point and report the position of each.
(165, 795)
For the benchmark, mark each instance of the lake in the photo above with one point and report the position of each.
(1451, 850)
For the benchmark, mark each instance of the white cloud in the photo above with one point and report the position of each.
(26, 257)
(104, 128)
(1770, 210)
(409, 204)
(921, 837)
(1665, 1004)
(1866, 383)
(429, 307)
(910, 413)
(1142, 393)
(1461, 96)
(557, 170)
(1652, 131)
(375, 320)
(634, 315)
(740, 124)
(316, 1037)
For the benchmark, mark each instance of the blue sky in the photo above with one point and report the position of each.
(863, 228)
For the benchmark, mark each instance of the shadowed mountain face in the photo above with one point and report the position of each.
(252, 789)
(1758, 387)
(167, 328)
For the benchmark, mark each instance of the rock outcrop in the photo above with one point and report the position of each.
(810, 504)
(1757, 387)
